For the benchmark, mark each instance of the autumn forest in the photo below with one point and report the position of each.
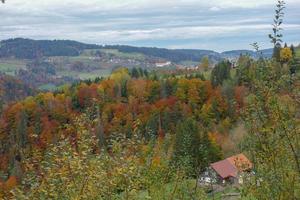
(152, 133)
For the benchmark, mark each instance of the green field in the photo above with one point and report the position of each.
(11, 66)
(83, 59)
(115, 52)
(86, 75)
(98, 68)
(95, 68)
(61, 61)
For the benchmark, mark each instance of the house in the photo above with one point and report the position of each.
(163, 64)
(230, 170)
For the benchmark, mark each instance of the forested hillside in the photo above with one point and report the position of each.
(47, 65)
(12, 90)
(117, 104)
(149, 124)
(32, 49)
(167, 134)
(176, 55)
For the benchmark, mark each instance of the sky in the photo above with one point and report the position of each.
(189, 24)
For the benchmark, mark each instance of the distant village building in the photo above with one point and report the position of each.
(163, 64)
(234, 64)
(230, 170)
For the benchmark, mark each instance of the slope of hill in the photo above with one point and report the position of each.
(46, 64)
(174, 55)
(236, 53)
(31, 49)
(267, 53)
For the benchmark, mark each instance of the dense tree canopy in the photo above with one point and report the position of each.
(220, 73)
(150, 135)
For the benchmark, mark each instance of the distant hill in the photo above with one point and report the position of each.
(267, 53)
(31, 49)
(174, 55)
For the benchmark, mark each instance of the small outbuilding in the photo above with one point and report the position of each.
(230, 170)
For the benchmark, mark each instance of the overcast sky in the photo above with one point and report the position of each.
(198, 24)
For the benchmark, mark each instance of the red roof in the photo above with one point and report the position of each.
(232, 165)
(225, 169)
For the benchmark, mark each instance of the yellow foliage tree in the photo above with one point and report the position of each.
(205, 63)
(286, 54)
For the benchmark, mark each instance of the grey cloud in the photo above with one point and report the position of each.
(144, 22)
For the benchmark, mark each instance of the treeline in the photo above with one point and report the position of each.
(32, 49)
(175, 55)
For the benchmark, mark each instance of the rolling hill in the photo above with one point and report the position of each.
(47, 64)
(31, 49)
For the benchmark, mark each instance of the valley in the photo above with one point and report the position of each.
(74, 61)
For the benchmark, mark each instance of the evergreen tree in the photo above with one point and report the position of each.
(22, 130)
(193, 150)
(154, 76)
(187, 146)
(146, 74)
(293, 50)
(209, 151)
(141, 72)
(98, 79)
(220, 73)
(294, 66)
(1, 105)
(124, 92)
(243, 70)
(134, 73)
(37, 124)
(100, 130)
